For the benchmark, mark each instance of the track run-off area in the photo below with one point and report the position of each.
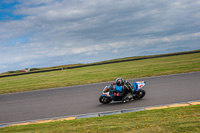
(84, 99)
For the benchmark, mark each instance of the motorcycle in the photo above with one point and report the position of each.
(114, 93)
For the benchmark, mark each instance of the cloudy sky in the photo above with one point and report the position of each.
(43, 33)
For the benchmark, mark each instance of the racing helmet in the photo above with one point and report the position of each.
(119, 81)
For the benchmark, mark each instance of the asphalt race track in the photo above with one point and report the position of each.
(83, 99)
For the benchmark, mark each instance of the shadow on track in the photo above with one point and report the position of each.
(117, 103)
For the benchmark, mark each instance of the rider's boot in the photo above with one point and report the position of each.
(127, 97)
(130, 96)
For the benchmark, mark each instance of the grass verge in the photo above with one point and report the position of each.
(177, 119)
(102, 73)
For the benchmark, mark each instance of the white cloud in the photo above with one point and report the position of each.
(74, 29)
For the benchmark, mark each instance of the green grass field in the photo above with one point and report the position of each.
(169, 120)
(101, 73)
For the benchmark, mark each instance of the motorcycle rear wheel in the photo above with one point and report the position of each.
(104, 100)
(139, 94)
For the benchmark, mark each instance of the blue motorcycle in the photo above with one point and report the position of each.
(115, 93)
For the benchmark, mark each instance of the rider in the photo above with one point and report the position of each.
(126, 86)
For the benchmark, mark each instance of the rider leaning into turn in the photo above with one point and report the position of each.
(126, 86)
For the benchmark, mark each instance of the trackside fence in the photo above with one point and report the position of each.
(102, 63)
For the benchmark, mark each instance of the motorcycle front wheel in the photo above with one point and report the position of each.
(104, 100)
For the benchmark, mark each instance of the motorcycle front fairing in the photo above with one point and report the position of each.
(112, 93)
(107, 92)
